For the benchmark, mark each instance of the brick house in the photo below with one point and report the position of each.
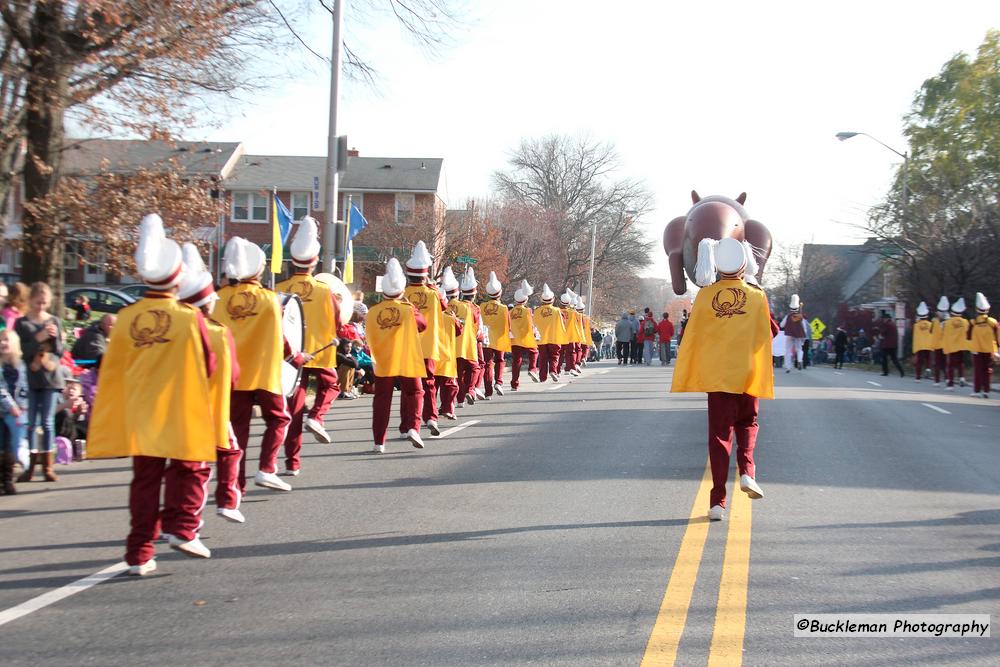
(388, 191)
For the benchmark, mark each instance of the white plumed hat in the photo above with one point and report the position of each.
(393, 282)
(305, 244)
(244, 260)
(520, 296)
(197, 288)
(982, 304)
(567, 297)
(959, 306)
(158, 259)
(469, 284)
(449, 283)
(419, 263)
(547, 294)
(943, 304)
(526, 288)
(493, 286)
(923, 310)
(795, 303)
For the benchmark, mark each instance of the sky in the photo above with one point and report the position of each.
(721, 97)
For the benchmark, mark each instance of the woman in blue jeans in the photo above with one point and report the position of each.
(42, 343)
(13, 405)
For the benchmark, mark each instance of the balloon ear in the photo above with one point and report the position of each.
(695, 197)
(742, 199)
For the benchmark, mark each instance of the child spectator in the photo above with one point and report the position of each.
(13, 405)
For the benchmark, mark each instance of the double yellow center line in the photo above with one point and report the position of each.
(730, 614)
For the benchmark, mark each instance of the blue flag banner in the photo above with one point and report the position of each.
(356, 224)
(284, 219)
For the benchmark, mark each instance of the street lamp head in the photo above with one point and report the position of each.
(844, 136)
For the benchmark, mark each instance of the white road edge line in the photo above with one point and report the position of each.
(934, 407)
(50, 598)
(456, 429)
(837, 373)
(555, 386)
(874, 383)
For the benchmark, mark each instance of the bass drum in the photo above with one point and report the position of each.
(293, 328)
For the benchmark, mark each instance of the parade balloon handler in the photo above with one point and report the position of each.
(393, 328)
(165, 422)
(727, 353)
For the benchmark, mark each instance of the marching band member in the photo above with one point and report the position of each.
(956, 342)
(585, 340)
(551, 334)
(465, 347)
(198, 291)
(449, 335)
(726, 352)
(937, 339)
(796, 331)
(471, 373)
(523, 343)
(252, 313)
(497, 321)
(321, 311)
(923, 340)
(984, 336)
(392, 328)
(152, 404)
(568, 348)
(429, 303)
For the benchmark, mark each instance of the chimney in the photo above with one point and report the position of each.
(353, 152)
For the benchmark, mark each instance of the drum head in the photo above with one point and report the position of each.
(293, 328)
(343, 295)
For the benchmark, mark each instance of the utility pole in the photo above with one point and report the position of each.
(330, 227)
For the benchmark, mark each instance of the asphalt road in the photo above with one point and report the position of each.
(547, 533)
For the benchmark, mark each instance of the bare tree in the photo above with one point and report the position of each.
(568, 181)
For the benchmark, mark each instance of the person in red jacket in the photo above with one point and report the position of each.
(665, 329)
(647, 337)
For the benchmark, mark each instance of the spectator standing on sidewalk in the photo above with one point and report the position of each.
(647, 337)
(889, 343)
(623, 336)
(665, 330)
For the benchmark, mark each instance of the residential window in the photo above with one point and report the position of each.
(94, 268)
(300, 205)
(71, 256)
(356, 198)
(249, 207)
(405, 203)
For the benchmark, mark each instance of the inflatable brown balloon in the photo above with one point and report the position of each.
(715, 217)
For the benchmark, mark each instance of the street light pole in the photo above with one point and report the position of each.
(590, 283)
(336, 63)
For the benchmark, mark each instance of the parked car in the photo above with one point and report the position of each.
(101, 300)
(136, 291)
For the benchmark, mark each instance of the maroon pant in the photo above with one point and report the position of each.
(922, 360)
(327, 390)
(409, 405)
(274, 410)
(183, 501)
(477, 378)
(982, 371)
(518, 353)
(430, 385)
(940, 363)
(227, 475)
(494, 368)
(728, 413)
(548, 360)
(956, 361)
(449, 393)
(466, 377)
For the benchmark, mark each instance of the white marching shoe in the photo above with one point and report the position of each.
(235, 516)
(193, 548)
(717, 513)
(290, 473)
(270, 481)
(433, 426)
(534, 376)
(749, 486)
(450, 415)
(498, 388)
(470, 399)
(554, 377)
(413, 435)
(142, 569)
(378, 449)
(315, 427)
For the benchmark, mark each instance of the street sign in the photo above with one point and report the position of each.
(465, 259)
(818, 328)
